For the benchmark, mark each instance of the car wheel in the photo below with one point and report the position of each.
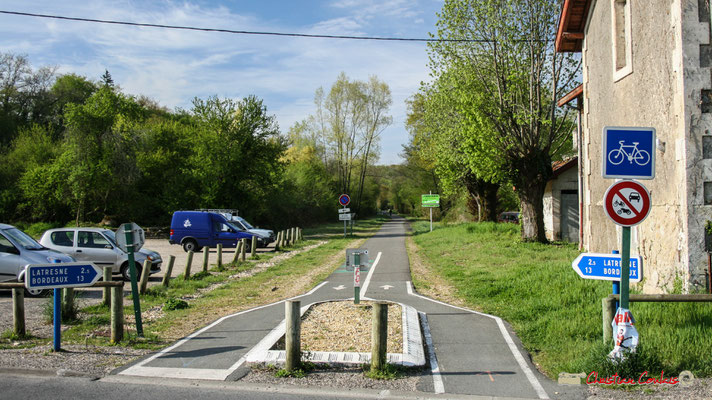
(191, 245)
(37, 292)
(126, 274)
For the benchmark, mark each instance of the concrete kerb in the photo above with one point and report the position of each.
(412, 356)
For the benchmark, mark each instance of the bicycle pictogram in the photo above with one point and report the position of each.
(630, 152)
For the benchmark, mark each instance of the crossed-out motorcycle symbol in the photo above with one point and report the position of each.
(621, 207)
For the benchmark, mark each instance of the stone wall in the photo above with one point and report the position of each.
(649, 95)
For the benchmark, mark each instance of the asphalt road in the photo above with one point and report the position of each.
(472, 353)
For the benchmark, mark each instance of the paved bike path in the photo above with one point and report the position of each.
(475, 353)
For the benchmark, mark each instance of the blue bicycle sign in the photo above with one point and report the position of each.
(629, 153)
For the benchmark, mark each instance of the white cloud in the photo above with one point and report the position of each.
(173, 66)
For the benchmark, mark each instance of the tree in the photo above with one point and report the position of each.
(504, 73)
(347, 125)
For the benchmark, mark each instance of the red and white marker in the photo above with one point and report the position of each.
(627, 203)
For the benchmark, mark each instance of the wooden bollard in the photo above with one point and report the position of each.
(276, 242)
(167, 277)
(253, 248)
(188, 263)
(294, 236)
(287, 242)
(237, 252)
(18, 311)
(379, 334)
(608, 308)
(67, 303)
(243, 249)
(117, 314)
(219, 256)
(106, 297)
(292, 336)
(145, 272)
(206, 258)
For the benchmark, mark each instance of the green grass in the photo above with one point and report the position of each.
(555, 313)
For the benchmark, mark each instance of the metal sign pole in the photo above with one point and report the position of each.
(616, 285)
(57, 317)
(431, 216)
(625, 267)
(134, 285)
(357, 278)
(344, 225)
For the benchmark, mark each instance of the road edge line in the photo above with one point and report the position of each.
(438, 384)
(536, 385)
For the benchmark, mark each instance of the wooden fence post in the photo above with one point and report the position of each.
(379, 334)
(253, 248)
(106, 297)
(18, 311)
(67, 303)
(294, 236)
(237, 252)
(169, 271)
(117, 314)
(292, 336)
(220, 247)
(243, 249)
(608, 308)
(276, 242)
(206, 258)
(188, 263)
(144, 275)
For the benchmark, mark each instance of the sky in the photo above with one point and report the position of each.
(172, 66)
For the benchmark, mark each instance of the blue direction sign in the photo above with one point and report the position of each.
(629, 153)
(55, 276)
(606, 267)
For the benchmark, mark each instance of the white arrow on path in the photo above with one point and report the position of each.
(386, 287)
(340, 287)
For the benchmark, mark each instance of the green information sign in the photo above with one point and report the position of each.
(431, 200)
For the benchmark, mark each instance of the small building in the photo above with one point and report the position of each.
(648, 64)
(561, 202)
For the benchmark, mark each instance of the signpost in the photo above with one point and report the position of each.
(430, 200)
(628, 153)
(127, 231)
(56, 276)
(627, 203)
(355, 261)
(139, 238)
(344, 200)
(606, 267)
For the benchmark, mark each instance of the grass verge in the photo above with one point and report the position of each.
(555, 313)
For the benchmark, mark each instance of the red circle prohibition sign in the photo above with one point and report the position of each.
(344, 200)
(627, 203)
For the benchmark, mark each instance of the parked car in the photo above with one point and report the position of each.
(17, 250)
(264, 236)
(509, 216)
(98, 245)
(197, 229)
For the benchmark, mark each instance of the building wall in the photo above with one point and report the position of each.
(650, 96)
(568, 180)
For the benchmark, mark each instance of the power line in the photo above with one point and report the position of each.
(192, 28)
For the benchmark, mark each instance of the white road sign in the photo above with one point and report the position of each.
(139, 238)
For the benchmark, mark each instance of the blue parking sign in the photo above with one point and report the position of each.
(628, 152)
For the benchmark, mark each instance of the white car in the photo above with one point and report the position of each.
(98, 245)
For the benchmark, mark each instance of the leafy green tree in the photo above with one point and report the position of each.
(502, 70)
(238, 151)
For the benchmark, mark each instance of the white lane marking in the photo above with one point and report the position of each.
(386, 287)
(507, 338)
(340, 287)
(370, 274)
(140, 370)
(438, 385)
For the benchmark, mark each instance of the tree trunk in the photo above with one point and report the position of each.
(530, 188)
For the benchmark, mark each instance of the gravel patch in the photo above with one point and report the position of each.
(345, 326)
(342, 378)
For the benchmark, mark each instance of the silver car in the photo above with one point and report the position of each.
(17, 249)
(98, 245)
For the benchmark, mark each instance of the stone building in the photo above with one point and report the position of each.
(647, 64)
(561, 202)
